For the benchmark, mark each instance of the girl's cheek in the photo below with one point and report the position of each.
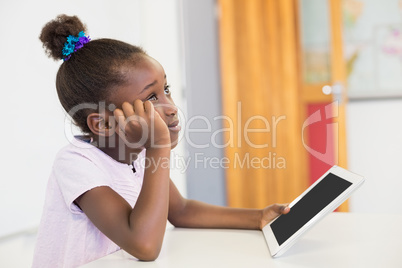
(160, 112)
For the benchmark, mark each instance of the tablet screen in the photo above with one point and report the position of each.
(308, 206)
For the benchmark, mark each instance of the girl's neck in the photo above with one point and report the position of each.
(117, 150)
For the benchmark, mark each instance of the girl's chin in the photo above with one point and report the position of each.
(173, 140)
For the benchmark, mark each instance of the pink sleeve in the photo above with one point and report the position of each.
(75, 175)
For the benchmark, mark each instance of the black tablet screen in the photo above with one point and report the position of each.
(312, 203)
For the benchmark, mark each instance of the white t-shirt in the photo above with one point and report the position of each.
(66, 237)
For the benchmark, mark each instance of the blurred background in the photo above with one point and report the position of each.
(249, 78)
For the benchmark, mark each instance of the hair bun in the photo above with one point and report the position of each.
(54, 34)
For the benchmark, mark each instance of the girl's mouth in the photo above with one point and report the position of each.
(174, 126)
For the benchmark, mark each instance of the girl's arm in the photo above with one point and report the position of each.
(196, 214)
(138, 230)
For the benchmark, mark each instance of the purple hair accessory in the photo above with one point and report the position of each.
(73, 44)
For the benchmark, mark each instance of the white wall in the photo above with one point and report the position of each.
(33, 123)
(374, 130)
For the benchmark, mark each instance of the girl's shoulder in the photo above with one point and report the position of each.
(78, 144)
(80, 149)
(80, 153)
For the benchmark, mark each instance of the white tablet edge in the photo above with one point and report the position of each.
(356, 181)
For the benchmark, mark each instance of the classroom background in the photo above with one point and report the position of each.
(217, 66)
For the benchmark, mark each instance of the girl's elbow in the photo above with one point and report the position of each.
(176, 221)
(145, 252)
(149, 256)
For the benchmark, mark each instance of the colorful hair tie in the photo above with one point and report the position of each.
(73, 44)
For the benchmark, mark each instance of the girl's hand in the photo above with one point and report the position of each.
(271, 212)
(140, 126)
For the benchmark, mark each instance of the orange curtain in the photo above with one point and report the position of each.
(260, 68)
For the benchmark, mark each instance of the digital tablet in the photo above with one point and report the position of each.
(320, 199)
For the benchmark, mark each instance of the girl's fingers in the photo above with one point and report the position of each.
(131, 113)
(133, 120)
(148, 106)
(127, 109)
(282, 208)
(121, 121)
(139, 107)
(286, 210)
(117, 112)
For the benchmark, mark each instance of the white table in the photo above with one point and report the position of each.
(339, 240)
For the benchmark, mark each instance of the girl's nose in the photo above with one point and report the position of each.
(170, 109)
(166, 108)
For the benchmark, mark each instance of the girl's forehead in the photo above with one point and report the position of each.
(145, 76)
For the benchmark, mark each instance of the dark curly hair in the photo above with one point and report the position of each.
(92, 72)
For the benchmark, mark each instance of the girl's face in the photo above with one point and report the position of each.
(147, 81)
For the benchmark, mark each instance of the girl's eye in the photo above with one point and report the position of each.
(167, 89)
(152, 97)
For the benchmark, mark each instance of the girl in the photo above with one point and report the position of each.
(111, 188)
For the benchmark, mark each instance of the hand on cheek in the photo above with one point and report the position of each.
(140, 126)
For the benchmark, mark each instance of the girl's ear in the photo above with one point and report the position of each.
(99, 125)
